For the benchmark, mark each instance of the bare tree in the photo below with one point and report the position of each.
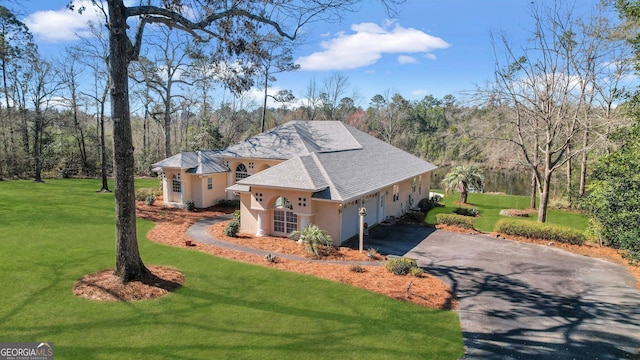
(95, 50)
(389, 116)
(44, 86)
(163, 72)
(278, 59)
(547, 89)
(333, 90)
(70, 72)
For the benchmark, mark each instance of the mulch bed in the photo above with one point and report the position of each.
(171, 227)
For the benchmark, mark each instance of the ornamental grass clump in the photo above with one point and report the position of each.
(401, 266)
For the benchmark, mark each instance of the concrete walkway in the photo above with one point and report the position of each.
(517, 301)
(198, 232)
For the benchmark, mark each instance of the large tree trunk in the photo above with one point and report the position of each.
(129, 265)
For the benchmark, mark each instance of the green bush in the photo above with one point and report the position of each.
(427, 204)
(236, 216)
(316, 241)
(189, 205)
(232, 228)
(400, 266)
(231, 204)
(466, 211)
(465, 222)
(417, 272)
(536, 230)
(150, 199)
(142, 193)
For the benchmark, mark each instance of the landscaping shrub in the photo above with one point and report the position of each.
(315, 240)
(142, 193)
(232, 228)
(357, 269)
(189, 205)
(536, 230)
(271, 258)
(461, 221)
(427, 204)
(417, 272)
(466, 211)
(400, 266)
(231, 204)
(150, 199)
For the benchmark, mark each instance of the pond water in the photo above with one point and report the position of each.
(512, 182)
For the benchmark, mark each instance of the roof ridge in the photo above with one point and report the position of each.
(302, 138)
(324, 173)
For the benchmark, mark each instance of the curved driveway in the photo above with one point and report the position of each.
(524, 301)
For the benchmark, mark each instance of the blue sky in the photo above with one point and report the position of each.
(432, 47)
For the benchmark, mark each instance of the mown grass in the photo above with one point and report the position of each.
(490, 205)
(56, 232)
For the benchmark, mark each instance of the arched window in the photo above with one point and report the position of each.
(175, 184)
(241, 172)
(284, 220)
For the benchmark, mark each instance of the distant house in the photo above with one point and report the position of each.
(300, 173)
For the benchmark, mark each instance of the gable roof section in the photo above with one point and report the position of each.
(295, 138)
(198, 162)
(301, 173)
(344, 172)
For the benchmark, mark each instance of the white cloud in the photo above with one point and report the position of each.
(367, 44)
(419, 93)
(63, 24)
(405, 59)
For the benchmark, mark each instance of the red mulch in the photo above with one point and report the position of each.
(170, 229)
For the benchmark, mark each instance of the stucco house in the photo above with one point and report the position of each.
(300, 173)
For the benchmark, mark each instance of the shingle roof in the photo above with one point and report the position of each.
(345, 173)
(198, 162)
(329, 158)
(295, 138)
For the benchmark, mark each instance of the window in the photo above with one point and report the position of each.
(209, 183)
(176, 186)
(284, 220)
(241, 172)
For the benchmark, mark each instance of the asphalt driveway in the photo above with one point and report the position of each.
(523, 301)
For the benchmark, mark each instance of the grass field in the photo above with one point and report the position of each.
(489, 206)
(56, 232)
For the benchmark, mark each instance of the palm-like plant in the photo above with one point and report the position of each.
(463, 178)
(316, 241)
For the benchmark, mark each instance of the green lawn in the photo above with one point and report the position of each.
(56, 232)
(489, 206)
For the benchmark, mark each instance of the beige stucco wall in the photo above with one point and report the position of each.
(253, 166)
(174, 198)
(341, 221)
(215, 194)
